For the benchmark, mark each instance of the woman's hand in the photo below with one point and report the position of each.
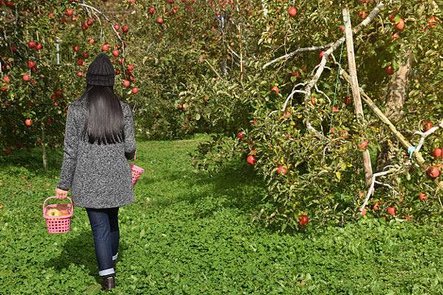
(60, 194)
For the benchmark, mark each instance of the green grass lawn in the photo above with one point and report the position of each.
(190, 233)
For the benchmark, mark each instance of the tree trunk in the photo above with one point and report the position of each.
(394, 108)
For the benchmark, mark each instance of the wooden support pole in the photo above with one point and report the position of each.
(356, 90)
(405, 143)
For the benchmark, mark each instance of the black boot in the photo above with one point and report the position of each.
(108, 283)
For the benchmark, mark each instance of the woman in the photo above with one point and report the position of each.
(99, 141)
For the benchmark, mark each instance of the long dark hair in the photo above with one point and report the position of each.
(104, 121)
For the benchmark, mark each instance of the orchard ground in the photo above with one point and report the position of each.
(191, 233)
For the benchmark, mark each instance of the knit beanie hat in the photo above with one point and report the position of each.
(100, 71)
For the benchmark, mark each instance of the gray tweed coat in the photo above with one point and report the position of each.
(98, 175)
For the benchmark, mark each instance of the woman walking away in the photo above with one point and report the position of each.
(99, 141)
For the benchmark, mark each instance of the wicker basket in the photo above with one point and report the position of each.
(58, 216)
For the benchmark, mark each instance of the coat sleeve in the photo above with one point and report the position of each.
(70, 151)
(129, 133)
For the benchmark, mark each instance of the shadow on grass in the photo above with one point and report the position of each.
(234, 186)
(31, 159)
(79, 250)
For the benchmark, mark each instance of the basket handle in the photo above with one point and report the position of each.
(45, 201)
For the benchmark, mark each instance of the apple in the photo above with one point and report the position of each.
(335, 109)
(79, 74)
(90, 21)
(341, 28)
(91, 41)
(80, 62)
(130, 68)
(116, 27)
(275, 89)
(69, 12)
(422, 197)
(31, 64)
(151, 10)
(105, 47)
(159, 20)
(281, 170)
(85, 54)
(115, 52)
(376, 206)
(437, 153)
(26, 77)
(400, 25)
(251, 160)
(64, 212)
(38, 46)
(6, 79)
(170, 1)
(76, 48)
(363, 212)
(427, 125)
(389, 70)
(28, 122)
(391, 211)
(31, 44)
(433, 172)
(134, 90)
(53, 212)
(174, 10)
(303, 220)
(362, 14)
(432, 22)
(321, 54)
(126, 83)
(240, 135)
(85, 26)
(362, 146)
(125, 29)
(292, 11)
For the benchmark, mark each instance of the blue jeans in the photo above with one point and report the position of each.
(104, 225)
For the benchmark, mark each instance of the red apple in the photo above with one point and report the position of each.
(126, 83)
(362, 146)
(170, 1)
(31, 44)
(389, 70)
(80, 62)
(6, 79)
(433, 172)
(427, 125)
(31, 64)
(251, 160)
(363, 212)
(240, 135)
(115, 52)
(151, 10)
(69, 12)
(303, 220)
(26, 77)
(432, 22)
(105, 47)
(400, 25)
(28, 122)
(134, 90)
(335, 109)
(362, 14)
(159, 20)
(292, 11)
(347, 100)
(281, 170)
(130, 68)
(275, 89)
(341, 28)
(90, 21)
(422, 197)
(125, 29)
(38, 46)
(85, 54)
(76, 48)
(391, 211)
(437, 153)
(79, 74)
(117, 27)
(91, 41)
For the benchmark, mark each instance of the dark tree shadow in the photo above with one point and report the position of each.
(31, 159)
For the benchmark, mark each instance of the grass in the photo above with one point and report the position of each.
(191, 233)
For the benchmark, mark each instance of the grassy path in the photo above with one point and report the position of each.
(189, 233)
